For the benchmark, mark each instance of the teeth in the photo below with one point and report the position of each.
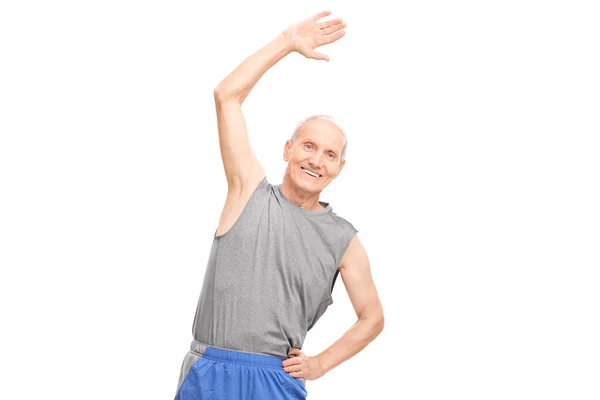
(310, 173)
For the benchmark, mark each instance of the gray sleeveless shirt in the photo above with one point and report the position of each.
(270, 277)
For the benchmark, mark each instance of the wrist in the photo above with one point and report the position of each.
(286, 42)
(322, 364)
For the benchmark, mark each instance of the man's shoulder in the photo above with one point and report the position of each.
(347, 227)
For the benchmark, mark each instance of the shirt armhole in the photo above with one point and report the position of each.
(349, 232)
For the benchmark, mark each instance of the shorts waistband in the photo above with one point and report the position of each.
(236, 356)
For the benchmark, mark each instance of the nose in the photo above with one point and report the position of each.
(315, 160)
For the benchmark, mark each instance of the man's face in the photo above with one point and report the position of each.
(317, 149)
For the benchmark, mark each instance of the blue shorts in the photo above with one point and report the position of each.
(219, 374)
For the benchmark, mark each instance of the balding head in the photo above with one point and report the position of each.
(328, 122)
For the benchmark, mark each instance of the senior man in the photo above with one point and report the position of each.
(277, 250)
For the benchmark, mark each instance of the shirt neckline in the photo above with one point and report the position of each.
(326, 206)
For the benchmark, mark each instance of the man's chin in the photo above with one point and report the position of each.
(307, 186)
(314, 188)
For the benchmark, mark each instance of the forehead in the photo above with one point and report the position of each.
(323, 132)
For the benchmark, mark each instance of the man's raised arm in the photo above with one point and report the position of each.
(242, 168)
(239, 161)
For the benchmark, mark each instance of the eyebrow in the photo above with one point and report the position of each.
(310, 140)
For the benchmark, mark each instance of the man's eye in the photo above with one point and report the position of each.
(332, 155)
(308, 145)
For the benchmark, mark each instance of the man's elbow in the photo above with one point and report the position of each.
(220, 95)
(376, 324)
(378, 319)
(225, 93)
(379, 324)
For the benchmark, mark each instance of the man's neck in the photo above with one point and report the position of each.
(307, 201)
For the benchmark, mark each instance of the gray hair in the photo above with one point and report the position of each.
(322, 116)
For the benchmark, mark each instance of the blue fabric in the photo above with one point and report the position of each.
(231, 375)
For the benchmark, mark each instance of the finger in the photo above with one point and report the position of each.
(331, 38)
(333, 28)
(328, 23)
(292, 361)
(320, 15)
(293, 368)
(319, 56)
(297, 374)
(295, 351)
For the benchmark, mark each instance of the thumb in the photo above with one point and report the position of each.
(294, 351)
(319, 56)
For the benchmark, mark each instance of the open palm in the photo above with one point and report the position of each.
(305, 36)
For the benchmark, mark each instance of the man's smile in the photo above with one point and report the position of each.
(310, 173)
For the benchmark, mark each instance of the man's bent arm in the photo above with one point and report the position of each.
(356, 274)
(363, 332)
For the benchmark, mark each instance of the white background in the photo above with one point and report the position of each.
(472, 176)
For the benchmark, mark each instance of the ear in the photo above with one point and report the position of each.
(341, 166)
(287, 148)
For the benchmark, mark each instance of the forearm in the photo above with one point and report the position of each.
(239, 83)
(363, 332)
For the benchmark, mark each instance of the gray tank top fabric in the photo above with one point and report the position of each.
(269, 278)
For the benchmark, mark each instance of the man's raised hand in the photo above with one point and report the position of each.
(305, 36)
